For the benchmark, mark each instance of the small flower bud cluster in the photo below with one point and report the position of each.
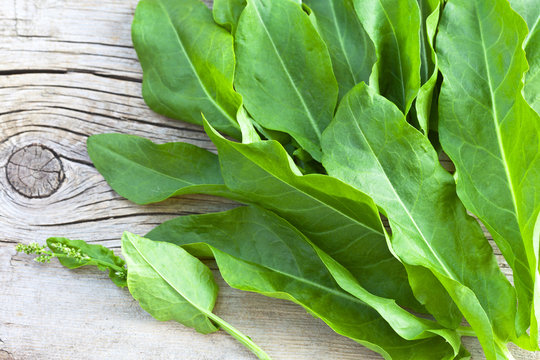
(73, 253)
(34, 248)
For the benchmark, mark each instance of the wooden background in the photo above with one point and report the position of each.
(68, 70)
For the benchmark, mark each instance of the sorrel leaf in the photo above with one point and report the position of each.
(371, 146)
(171, 284)
(145, 172)
(530, 11)
(188, 63)
(394, 27)
(425, 110)
(282, 78)
(492, 134)
(351, 49)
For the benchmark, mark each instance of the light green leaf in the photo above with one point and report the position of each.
(342, 221)
(286, 81)
(430, 70)
(145, 172)
(371, 146)
(491, 133)
(227, 12)
(394, 27)
(530, 11)
(188, 63)
(171, 284)
(257, 251)
(351, 49)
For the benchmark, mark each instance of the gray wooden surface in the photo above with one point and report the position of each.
(67, 70)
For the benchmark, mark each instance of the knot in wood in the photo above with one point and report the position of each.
(35, 171)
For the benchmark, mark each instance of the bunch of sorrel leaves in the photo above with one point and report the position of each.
(328, 116)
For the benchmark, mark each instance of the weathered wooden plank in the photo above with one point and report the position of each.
(67, 70)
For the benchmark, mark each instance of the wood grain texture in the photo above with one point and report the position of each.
(67, 71)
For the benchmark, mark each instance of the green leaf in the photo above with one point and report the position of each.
(351, 49)
(171, 284)
(430, 71)
(286, 81)
(394, 27)
(90, 255)
(491, 133)
(530, 11)
(257, 251)
(371, 146)
(342, 221)
(227, 12)
(145, 172)
(188, 63)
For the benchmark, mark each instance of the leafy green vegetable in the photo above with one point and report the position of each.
(257, 251)
(394, 27)
(144, 172)
(171, 284)
(319, 182)
(188, 63)
(482, 116)
(351, 232)
(285, 77)
(530, 11)
(351, 49)
(76, 253)
(365, 146)
(424, 102)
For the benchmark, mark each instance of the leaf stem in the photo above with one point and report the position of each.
(245, 340)
(466, 331)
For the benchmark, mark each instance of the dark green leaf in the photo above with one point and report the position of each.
(351, 49)
(144, 172)
(286, 81)
(394, 27)
(188, 63)
(430, 71)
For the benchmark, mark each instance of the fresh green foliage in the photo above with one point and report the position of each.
(76, 253)
(336, 108)
(351, 49)
(245, 241)
(283, 77)
(188, 63)
(171, 284)
(530, 11)
(394, 27)
(492, 134)
(369, 127)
